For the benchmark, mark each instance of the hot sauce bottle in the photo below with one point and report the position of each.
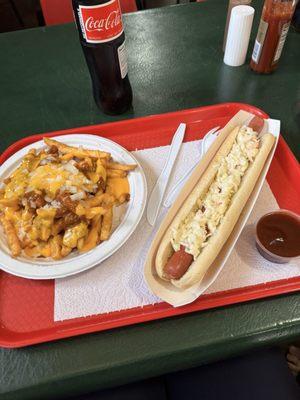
(272, 32)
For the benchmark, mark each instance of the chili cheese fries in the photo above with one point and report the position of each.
(61, 199)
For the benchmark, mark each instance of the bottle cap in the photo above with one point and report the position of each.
(238, 35)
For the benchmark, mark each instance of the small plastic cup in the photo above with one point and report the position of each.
(267, 254)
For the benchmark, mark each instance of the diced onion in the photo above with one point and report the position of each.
(48, 199)
(47, 160)
(77, 196)
(69, 188)
(70, 168)
(55, 204)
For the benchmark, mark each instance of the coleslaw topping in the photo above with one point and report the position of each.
(201, 223)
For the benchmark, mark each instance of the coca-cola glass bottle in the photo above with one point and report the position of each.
(102, 38)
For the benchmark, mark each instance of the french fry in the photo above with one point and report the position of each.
(10, 202)
(76, 151)
(11, 235)
(80, 243)
(106, 225)
(44, 232)
(74, 233)
(56, 246)
(100, 198)
(99, 175)
(116, 173)
(89, 162)
(32, 252)
(12, 215)
(41, 249)
(93, 176)
(65, 251)
(67, 156)
(33, 235)
(122, 167)
(123, 198)
(92, 212)
(93, 235)
(101, 169)
(108, 199)
(105, 161)
(44, 222)
(57, 226)
(27, 215)
(80, 210)
(25, 242)
(46, 250)
(33, 163)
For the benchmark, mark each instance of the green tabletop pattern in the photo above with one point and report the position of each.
(175, 62)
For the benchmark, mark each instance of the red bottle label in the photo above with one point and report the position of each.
(101, 23)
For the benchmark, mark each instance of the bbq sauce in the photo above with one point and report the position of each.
(279, 232)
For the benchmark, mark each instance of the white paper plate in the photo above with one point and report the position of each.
(127, 217)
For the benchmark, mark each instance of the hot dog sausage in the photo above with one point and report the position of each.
(257, 124)
(180, 261)
(178, 264)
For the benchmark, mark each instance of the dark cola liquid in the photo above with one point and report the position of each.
(105, 53)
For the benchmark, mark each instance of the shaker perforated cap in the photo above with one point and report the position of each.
(238, 35)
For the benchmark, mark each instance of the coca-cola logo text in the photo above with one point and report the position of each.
(110, 22)
(101, 23)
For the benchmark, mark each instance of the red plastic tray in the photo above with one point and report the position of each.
(27, 306)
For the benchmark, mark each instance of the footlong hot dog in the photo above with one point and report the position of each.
(210, 212)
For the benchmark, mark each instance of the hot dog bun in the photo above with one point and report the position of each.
(198, 268)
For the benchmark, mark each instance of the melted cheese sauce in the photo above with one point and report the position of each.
(49, 178)
(118, 186)
(16, 187)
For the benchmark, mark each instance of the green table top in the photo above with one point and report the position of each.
(175, 61)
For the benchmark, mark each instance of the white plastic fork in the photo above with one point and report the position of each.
(205, 143)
